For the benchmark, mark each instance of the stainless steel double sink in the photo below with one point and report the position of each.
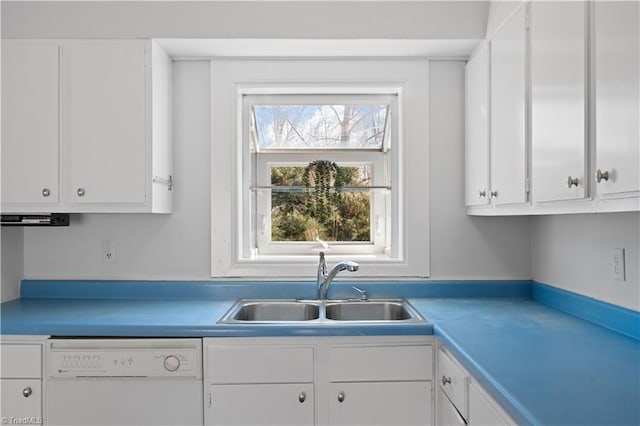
(261, 311)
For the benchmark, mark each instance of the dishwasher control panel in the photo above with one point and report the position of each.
(124, 358)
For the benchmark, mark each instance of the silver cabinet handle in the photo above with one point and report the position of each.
(302, 397)
(482, 194)
(494, 194)
(80, 192)
(446, 380)
(26, 392)
(572, 181)
(46, 192)
(600, 175)
(341, 396)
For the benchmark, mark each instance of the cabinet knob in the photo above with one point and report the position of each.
(302, 397)
(494, 194)
(46, 192)
(26, 392)
(80, 192)
(572, 181)
(341, 397)
(446, 380)
(482, 194)
(602, 175)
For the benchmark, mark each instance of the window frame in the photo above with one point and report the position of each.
(230, 169)
(259, 215)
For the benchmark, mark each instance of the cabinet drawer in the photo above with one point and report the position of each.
(380, 363)
(21, 399)
(21, 361)
(452, 378)
(250, 364)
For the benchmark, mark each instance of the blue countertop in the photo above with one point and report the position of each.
(542, 365)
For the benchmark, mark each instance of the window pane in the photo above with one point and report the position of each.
(321, 211)
(346, 126)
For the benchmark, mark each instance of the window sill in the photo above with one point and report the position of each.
(304, 266)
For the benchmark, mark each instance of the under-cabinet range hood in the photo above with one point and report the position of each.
(51, 219)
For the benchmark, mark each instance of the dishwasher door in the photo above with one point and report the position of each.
(122, 401)
(124, 382)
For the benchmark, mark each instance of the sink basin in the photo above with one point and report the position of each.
(257, 311)
(396, 310)
(271, 311)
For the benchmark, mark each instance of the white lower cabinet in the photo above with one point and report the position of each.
(448, 414)
(323, 380)
(460, 399)
(259, 381)
(21, 399)
(380, 403)
(380, 383)
(260, 404)
(21, 380)
(485, 410)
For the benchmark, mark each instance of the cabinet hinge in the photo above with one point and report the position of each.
(527, 186)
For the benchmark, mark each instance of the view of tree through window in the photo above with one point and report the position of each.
(313, 197)
(320, 126)
(324, 211)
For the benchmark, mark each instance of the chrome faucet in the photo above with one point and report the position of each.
(323, 280)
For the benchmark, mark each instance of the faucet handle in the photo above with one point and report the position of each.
(363, 293)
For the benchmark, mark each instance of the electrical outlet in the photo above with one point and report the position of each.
(108, 251)
(618, 264)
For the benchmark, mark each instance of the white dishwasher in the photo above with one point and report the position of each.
(134, 381)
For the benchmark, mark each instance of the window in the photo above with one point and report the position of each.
(320, 172)
(312, 152)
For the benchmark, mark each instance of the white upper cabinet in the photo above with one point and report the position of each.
(477, 128)
(106, 126)
(558, 100)
(564, 95)
(86, 126)
(30, 130)
(617, 98)
(508, 111)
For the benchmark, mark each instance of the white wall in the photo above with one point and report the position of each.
(177, 246)
(574, 252)
(11, 268)
(148, 246)
(464, 246)
(242, 19)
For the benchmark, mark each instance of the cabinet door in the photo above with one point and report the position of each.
(380, 403)
(448, 415)
(483, 411)
(617, 96)
(106, 123)
(30, 136)
(477, 129)
(265, 404)
(508, 143)
(558, 65)
(21, 398)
